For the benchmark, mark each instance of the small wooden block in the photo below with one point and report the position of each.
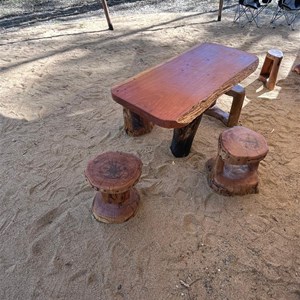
(270, 68)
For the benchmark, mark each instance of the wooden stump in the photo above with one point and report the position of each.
(134, 124)
(270, 68)
(113, 175)
(234, 170)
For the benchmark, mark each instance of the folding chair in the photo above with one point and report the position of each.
(249, 10)
(290, 9)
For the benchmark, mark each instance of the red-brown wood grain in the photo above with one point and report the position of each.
(174, 93)
(113, 172)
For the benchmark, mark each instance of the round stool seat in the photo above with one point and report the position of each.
(114, 174)
(240, 145)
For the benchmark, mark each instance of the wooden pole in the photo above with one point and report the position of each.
(106, 11)
(220, 10)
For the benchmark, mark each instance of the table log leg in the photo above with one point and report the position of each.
(229, 119)
(134, 124)
(218, 113)
(238, 94)
(183, 138)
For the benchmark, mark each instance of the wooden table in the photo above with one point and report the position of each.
(177, 92)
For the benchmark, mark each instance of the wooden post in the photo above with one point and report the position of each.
(106, 11)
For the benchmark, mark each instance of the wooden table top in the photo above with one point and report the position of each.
(177, 91)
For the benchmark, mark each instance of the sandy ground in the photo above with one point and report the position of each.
(185, 242)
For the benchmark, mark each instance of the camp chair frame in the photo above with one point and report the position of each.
(290, 11)
(251, 10)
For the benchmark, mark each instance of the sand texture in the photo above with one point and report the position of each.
(186, 241)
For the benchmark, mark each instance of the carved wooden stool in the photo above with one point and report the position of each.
(114, 174)
(234, 170)
(270, 68)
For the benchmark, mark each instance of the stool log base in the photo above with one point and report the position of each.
(183, 138)
(229, 119)
(115, 208)
(134, 124)
(270, 68)
(233, 179)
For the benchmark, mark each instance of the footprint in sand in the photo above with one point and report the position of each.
(38, 226)
(190, 223)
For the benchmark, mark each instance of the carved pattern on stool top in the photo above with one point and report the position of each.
(114, 171)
